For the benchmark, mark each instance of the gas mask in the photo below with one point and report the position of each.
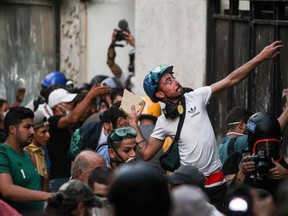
(264, 151)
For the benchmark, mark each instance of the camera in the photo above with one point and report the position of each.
(123, 25)
(263, 162)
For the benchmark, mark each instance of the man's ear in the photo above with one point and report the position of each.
(111, 153)
(79, 174)
(160, 95)
(12, 129)
(242, 125)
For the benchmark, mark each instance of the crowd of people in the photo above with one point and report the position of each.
(74, 151)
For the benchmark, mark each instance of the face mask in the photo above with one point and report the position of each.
(4, 114)
(131, 160)
(67, 112)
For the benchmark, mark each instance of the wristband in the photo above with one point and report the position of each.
(137, 144)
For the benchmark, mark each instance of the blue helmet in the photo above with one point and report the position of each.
(151, 81)
(55, 77)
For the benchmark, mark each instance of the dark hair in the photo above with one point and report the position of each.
(112, 114)
(237, 114)
(16, 115)
(116, 92)
(101, 175)
(139, 188)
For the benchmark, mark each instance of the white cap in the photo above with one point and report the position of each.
(60, 95)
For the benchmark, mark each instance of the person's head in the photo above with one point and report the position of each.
(84, 87)
(115, 117)
(4, 108)
(264, 134)
(151, 110)
(139, 190)
(41, 128)
(122, 145)
(84, 163)
(264, 140)
(73, 198)
(112, 83)
(54, 77)
(116, 95)
(186, 175)
(100, 180)
(60, 101)
(18, 124)
(236, 119)
(188, 200)
(96, 80)
(161, 85)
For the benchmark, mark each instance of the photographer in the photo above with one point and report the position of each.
(121, 35)
(263, 166)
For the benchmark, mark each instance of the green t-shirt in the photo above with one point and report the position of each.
(23, 173)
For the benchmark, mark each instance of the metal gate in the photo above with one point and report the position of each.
(27, 44)
(234, 37)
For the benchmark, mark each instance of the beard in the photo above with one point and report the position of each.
(179, 93)
(28, 141)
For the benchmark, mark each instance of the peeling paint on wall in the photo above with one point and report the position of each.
(71, 40)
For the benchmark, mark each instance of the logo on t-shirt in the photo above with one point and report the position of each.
(193, 112)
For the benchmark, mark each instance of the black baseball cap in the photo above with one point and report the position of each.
(187, 174)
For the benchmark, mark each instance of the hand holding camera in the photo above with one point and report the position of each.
(123, 33)
(248, 165)
(277, 172)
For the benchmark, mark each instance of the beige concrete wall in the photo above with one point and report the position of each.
(102, 17)
(171, 32)
(166, 31)
(71, 39)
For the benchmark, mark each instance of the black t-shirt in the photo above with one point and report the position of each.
(58, 147)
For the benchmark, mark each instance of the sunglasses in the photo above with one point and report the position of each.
(120, 133)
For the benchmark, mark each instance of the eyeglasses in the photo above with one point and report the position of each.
(120, 133)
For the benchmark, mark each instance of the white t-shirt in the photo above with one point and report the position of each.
(197, 142)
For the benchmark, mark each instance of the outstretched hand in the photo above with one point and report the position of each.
(271, 50)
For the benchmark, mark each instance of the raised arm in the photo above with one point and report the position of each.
(242, 72)
(146, 148)
(79, 110)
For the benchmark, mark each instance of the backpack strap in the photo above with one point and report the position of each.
(231, 146)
